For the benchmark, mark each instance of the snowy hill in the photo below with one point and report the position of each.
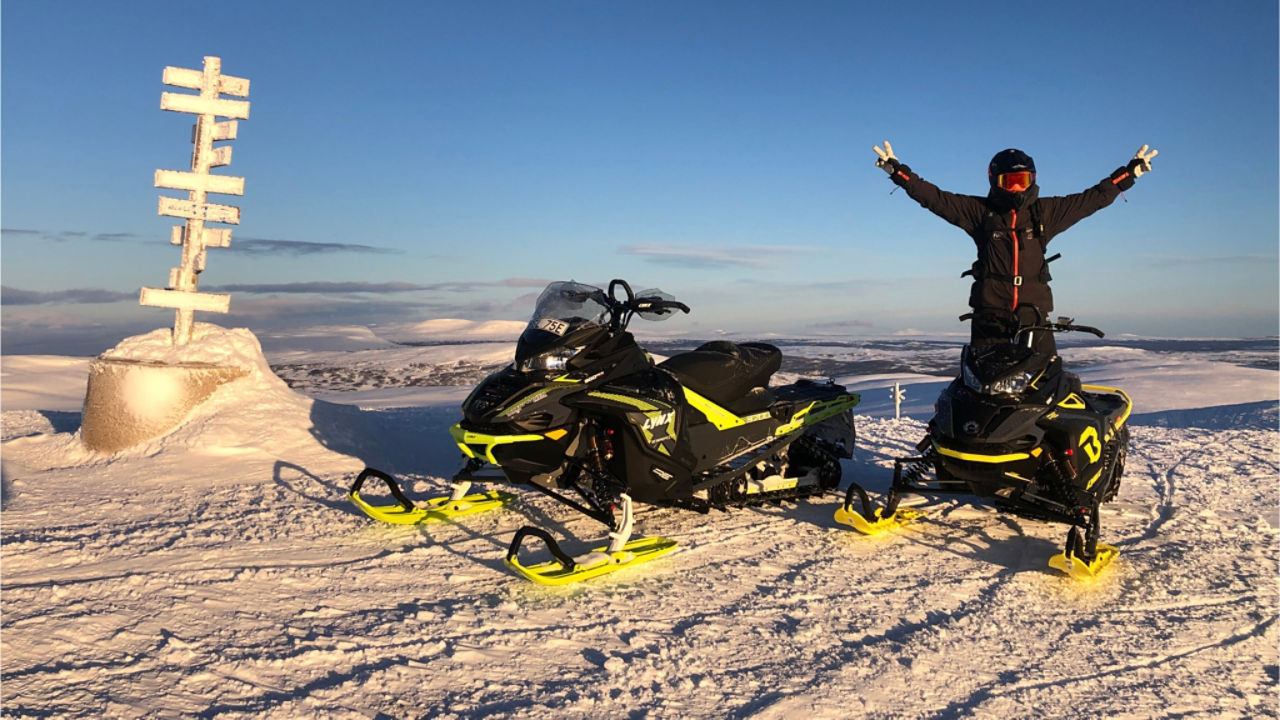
(221, 572)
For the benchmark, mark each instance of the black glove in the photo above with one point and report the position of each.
(887, 161)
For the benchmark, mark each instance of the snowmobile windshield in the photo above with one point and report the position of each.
(566, 306)
(1001, 369)
(567, 317)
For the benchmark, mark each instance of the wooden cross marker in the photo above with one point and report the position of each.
(194, 237)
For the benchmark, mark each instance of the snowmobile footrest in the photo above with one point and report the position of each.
(407, 513)
(563, 569)
(1078, 568)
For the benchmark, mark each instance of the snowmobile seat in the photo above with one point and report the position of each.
(725, 372)
(757, 399)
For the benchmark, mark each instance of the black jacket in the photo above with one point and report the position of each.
(1011, 231)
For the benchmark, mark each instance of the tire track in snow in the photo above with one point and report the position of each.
(1165, 488)
(970, 704)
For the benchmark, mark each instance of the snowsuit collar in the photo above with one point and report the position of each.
(1004, 200)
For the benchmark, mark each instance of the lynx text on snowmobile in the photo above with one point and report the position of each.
(1017, 428)
(585, 416)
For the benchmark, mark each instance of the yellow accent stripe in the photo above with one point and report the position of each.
(1032, 384)
(816, 412)
(1128, 403)
(1072, 402)
(716, 415)
(536, 394)
(975, 457)
(465, 438)
(625, 400)
(1094, 479)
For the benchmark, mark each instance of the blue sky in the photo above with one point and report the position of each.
(407, 161)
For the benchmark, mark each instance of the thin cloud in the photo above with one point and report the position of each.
(319, 287)
(80, 296)
(345, 288)
(842, 325)
(243, 245)
(750, 256)
(260, 246)
(1182, 261)
(63, 236)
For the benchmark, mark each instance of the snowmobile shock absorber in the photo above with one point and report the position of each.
(599, 448)
(1064, 463)
(1087, 548)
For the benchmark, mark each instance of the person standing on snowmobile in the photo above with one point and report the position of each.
(1012, 226)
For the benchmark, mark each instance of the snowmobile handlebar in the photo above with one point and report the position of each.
(1060, 326)
(624, 308)
(659, 306)
(1064, 324)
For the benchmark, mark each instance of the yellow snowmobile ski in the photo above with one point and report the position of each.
(405, 512)
(564, 570)
(868, 521)
(900, 517)
(1080, 569)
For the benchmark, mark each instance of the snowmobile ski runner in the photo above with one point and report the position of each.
(586, 417)
(1019, 430)
(404, 512)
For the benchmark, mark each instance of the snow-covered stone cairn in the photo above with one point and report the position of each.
(138, 391)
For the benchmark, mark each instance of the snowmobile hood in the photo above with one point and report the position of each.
(536, 341)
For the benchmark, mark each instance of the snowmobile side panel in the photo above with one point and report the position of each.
(817, 411)
(1120, 416)
(1080, 569)
(721, 418)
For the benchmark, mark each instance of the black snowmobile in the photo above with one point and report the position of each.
(585, 416)
(1017, 428)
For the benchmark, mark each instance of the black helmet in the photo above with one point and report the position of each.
(1009, 162)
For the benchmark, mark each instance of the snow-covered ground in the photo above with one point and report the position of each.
(221, 572)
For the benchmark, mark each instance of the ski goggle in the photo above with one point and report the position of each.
(1021, 180)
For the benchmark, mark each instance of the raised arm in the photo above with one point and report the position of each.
(1063, 212)
(963, 211)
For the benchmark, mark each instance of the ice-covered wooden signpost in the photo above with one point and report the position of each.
(196, 237)
(146, 385)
